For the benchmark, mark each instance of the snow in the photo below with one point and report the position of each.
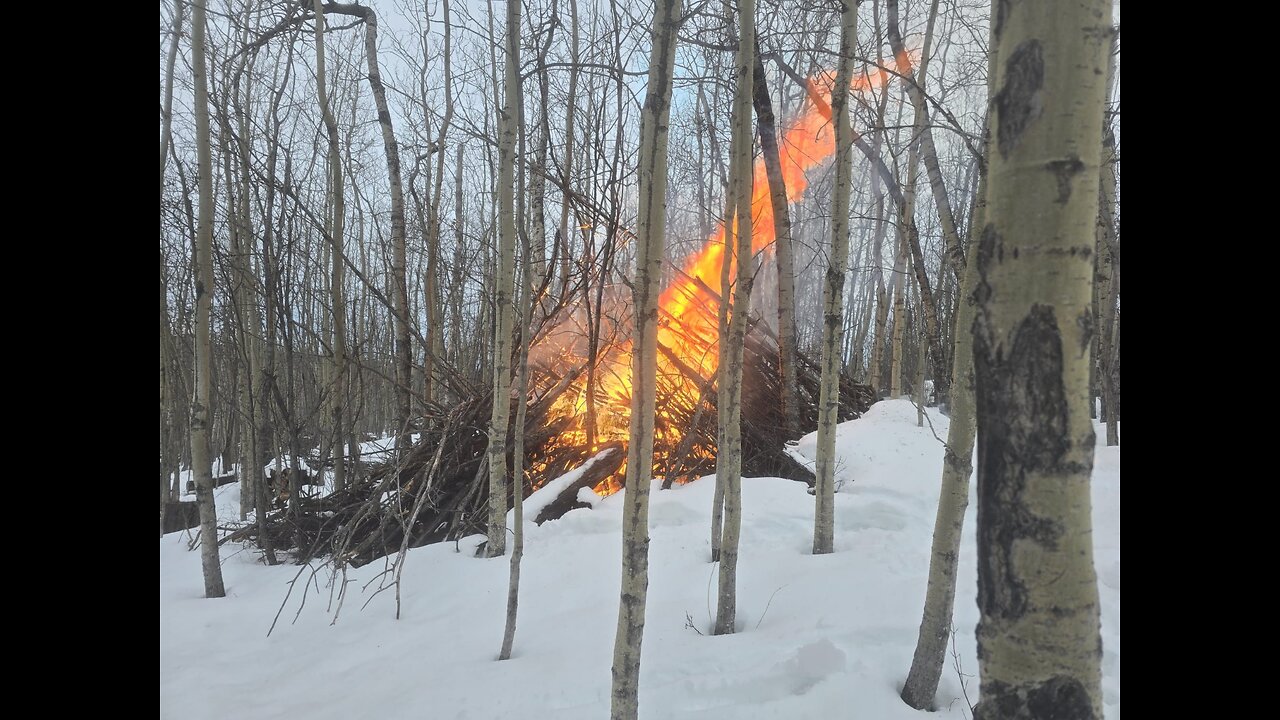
(372, 451)
(819, 636)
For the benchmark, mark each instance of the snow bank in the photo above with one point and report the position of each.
(819, 637)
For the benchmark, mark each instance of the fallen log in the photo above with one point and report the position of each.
(596, 470)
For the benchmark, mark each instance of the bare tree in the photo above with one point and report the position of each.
(729, 457)
(399, 263)
(953, 499)
(336, 219)
(833, 290)
(625, 704)
(508, 123)
(767, 128)
(201, 467)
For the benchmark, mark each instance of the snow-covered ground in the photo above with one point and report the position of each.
(819, 636)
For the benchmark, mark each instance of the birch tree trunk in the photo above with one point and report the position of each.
(922, 148)
(571, 102)
(875, 370)
(914, 80)
(953, 499)
(1107, 281)
(899, 317)
(651, 227)
(338, 210)
(833, 290)
(729, 454)
(201, 469)
(1039, 641)
(768, 131)
(734, 179)
(166, 114)
(247, 338)
(169, 402)
(399, 280)
(522, 408)
(508, 123)
(435, 312)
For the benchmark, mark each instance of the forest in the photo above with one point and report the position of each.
(776, 344)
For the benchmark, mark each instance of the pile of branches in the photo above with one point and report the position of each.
(764, 427)
(438, 490)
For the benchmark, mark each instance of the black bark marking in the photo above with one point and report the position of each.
(1064, 171)
(1023, 403)
(1085, 322)
(1061, 697)
(835, 281)
(1018, 104)
(1002, 13)
(986, 249)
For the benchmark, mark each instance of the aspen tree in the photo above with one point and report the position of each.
(729, 454)
(508, 124)
(1039, 641)
(651, 226)
(833, 290)
(201, 469)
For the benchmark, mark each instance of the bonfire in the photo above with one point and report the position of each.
(438, 489)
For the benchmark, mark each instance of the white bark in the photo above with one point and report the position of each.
(833, 291)
(337, 217)
(651, 228)
(166, 105)
(201, 467)
(953, 499)
(509, 122)
(729, 454)
(1039, 641)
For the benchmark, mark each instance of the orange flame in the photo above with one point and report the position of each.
(688, 323)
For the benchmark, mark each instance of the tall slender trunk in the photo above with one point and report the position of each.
(434, 370)
(914, 80)
(729, 454)
(459, 237)
(833, 290)
(908, 232)
(244, 328)
(571, 102)
(168, 398)
(201, 469)
(875, 371)
(336, 219)
(270, 277)
(1108, 277)
(651, 227)
(953, 499)
(509, 123)
(166, 111)
(782, 244)
(528, 299)
(921, 361)
(899, 320)
(1039, 639)
(399, 278)
(731, 197)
